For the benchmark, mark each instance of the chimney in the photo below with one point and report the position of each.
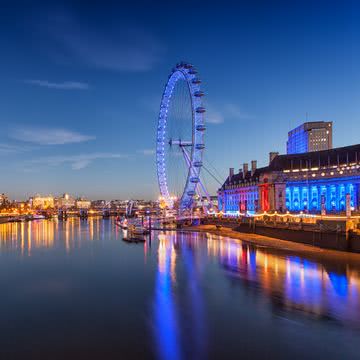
(231, 173)
(272, 156)
(253, 166)
(245, 168)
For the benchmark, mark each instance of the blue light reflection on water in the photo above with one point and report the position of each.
(303, 285)
(169, 316)
(166, 327)
(196, 304)
(340, 283)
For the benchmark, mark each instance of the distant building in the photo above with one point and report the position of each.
(99, 204)
(82, 203)
(310, 136)
(21, 204)
(204, 201)
(42, 202)
(118, 204)
(4, 200)
(65, 201)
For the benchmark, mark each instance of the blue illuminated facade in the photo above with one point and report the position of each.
(308, 182)
(298, 141)
(310, 136)
(239, 199)
(309, 196)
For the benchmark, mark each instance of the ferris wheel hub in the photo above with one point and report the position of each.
(180, 142)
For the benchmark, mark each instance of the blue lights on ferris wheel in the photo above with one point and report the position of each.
(182, 71)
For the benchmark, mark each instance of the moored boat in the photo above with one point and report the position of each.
(123, 223)
(37, 217)
(138, 230)
(133, 238)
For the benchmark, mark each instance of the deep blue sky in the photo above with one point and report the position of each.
(81, 84)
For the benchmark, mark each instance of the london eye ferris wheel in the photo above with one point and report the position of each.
(180, 138)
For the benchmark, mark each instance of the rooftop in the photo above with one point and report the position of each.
(332, 157)
(316, 159)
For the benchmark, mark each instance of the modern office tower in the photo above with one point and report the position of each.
(310, 136)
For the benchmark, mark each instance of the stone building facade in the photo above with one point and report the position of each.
(307, 182)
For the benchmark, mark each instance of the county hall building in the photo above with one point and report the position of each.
(298, 181)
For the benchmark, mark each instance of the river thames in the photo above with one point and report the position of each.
(76, 290)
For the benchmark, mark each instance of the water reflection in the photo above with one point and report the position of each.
(323, 290)
(26, 237)
(173, 325)
(185, 295)
(166, 321)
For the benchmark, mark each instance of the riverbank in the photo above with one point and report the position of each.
(286, 247)
(5, 219)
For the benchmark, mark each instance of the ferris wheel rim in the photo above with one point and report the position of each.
(188, 73)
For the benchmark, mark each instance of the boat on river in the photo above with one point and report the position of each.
(37, 217)
(138, 229)
(123, 223)
(135, 233)
(134, 239)
(17, 219)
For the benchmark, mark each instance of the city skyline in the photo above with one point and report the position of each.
(81, 87)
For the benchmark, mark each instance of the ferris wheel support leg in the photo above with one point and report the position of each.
(205, 191)
(187, 159)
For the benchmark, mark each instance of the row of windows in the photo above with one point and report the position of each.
(247, 200)
(332, 197)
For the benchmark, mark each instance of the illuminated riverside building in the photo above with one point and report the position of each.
(42, 202)
(65, 201)
(240, 192)
(310, 136)
(98, 204)
(296, 182)
(82, 203)
(4, 200)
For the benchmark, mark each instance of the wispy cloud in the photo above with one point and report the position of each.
(147, 152)
(214, 116)
(76, 162)
(47, 136)
(234, 111)
(6, 149)
(220, 113)
(215, 113)
(66, 85)
(124, 48)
